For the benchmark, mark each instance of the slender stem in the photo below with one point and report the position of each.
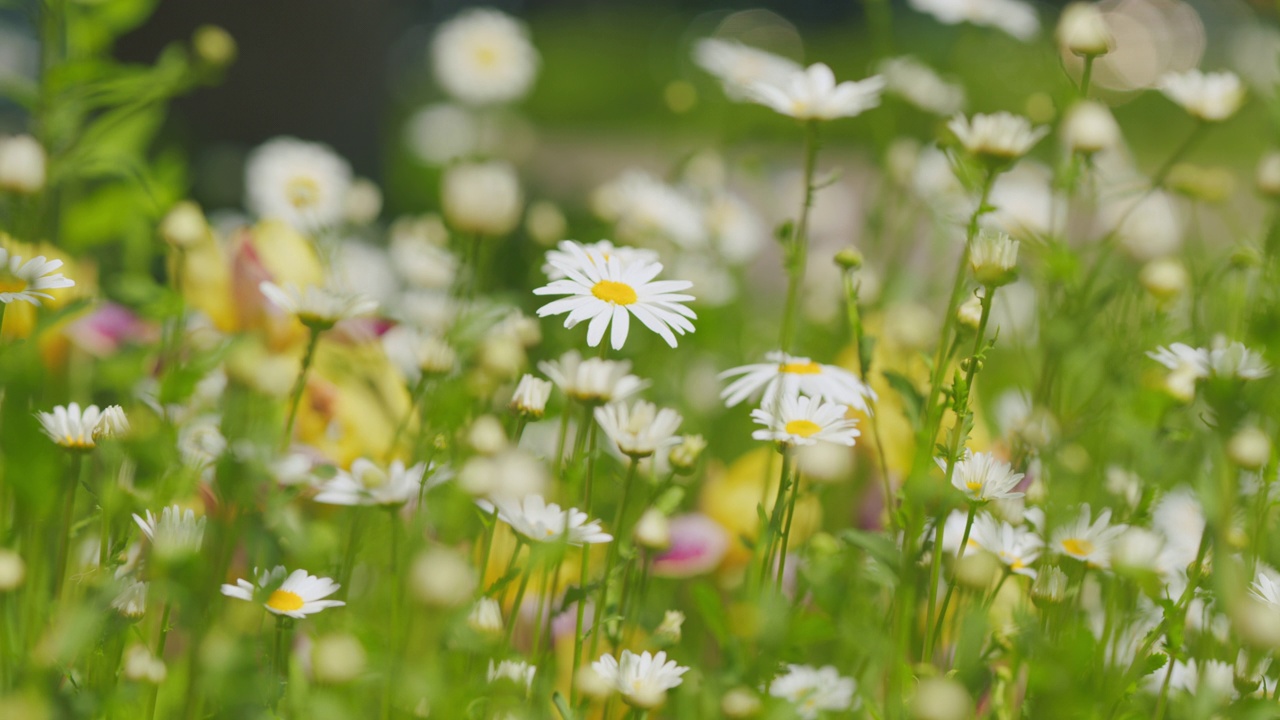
(544, 596)
(765, 542)
(68, 510)
(864, 372)
(797, 248)
(511, 563)
(1086, 75)
(786, 528)
(295, 397)
(419, 390)
(349, 555)
(394, 616)
(159, 655)
(597, 624)
(951, 587)
(515, 607)
(583, 569)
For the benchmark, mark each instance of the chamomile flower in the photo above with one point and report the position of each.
(530, 396)
(812, 94)
(1016, 546)
(1088, 541)
(540, 521)
(370, 484)
(302, 183)
(791, 374)
(602, 248)
(738, 67)
(132, 600)
(798, 420)
(28, 281)
(1183, 358)
(299, 595)
(1238, 362)
(593, 380)
(814, 690)
(640, 678)
(484, 57)
(71, 427)
(1266, 590)
(982, 477)
(611, 291)
(517, 671)
(317, 306)
(999, 137)
(175, 533)
(641, 429)
(644, 209)
(1212, 97)
(919, 85)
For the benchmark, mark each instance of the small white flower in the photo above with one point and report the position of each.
(141, 666)
(814, 690)
(416, 353)
(799, 420)
(315, 305)
(1266, 590)
(304, 184)
(1082, 30)
(1086, 541)
(484, 57)
(71, 427)
(1181, 357)
(919, 85)
(1001, 136)
(645, 209)
(1016, 547)
(200, 440)
(1013, 17)
(982, 477)
(1212, 97)
(543, 522)
(609, 292)
(640, 677)
(299, 595)
(602, 248)
(293, 469)
(113, 423)
(132, 600)
(370, 484)
(482, 198)
(738, 67)
(785, 375)
(593, 380)
(517, 671)
(175, 533)
(812, 94)
(530, 396)
(486, 617)
(28, 281)
(1237, 362)
(23, 164)
(993, 258)
(641, 429)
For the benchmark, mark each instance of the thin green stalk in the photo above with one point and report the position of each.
(1086, 75)
(68, 510)
(597, 623)
(765, 542)
(295, 396)
(159, 654)
(564, 436)
(349, 555)
(951, 587)
(515, 607)
(394, 616)
(864, 372)
(544, 596)
(786, 528)
(511, 563)
(583, 575)
(797, 248)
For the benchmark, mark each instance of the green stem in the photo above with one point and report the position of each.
(765, 542)
(797, 248)
(349, 555)
(951, 587)
(515, 607)
(419, 390)
(159, 655)
(786, 528)
(68, 511)
(295, 397)
(598, 613)
(1086, 75)
(864, 372)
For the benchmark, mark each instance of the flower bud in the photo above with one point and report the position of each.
(1083, 31)
(132, 601)
(214, 46)
(684, 456)
(1050, 587)
(1269, 175)
(740, 703)
(363, 202)
(530, 396)
(337, 658)
(849, 259)
(442, 578)
(940, 698)
(1089, 127)
(12, 570)
(482, 198)
(669, 631)
(545, 223)
(486, 435)
(486, 617)
(22, 164)
(969, 314)
(1249, 448)
(1165, 278)
(994, 259)
(184, 225)
(653, 530)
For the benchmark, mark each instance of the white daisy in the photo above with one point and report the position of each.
(71, 427)
(642, 677)
(1089, 542)
(1013, 17)
(370, 484)
(113, 423)
(799, 420)
(530, 396)
(1181, 357)
(611, 291)
(132, 600)
(517, 671)
(1212, 97)
(299, 595)
(919, 85)
(28, 281)
(790, 375)
(482, 198)
(175, 533)
(812, 94)
(486, 617)
(317, 306)
(594, 380)
(982, 477)
(814, 690)
(641, 429)
(1016, 547)
(602, 248)
(540, 521)
(1001, 136)
(1238, 362)
(483, 56)
(302, 183)
(738, 67)
(1266, 590)
(644, 209)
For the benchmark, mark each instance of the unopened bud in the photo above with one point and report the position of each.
(740, 703)
(1089, 127)
(653, 530)
(530, 396)
(669, 631)
(486, 435)
(214, 46)
(849, 259)
(1164, 278)
(1269, 175)
(442, 578)
(940, 698)
(684, 456)
(12, 570)
(1249, 448)
(486, 617)
(184, 226)
(1082, 30)
(22, 164)
(337, 658)
(970, 313)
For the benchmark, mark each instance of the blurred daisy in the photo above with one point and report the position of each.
(28, 281)
(738, 67)
(641, 678)
(482, 198)
(1238, 362)
(641, 429)
(611, 291)
(483, 56)
(982, 477)
(530, 396)
(543, 522)
(486, 617)
(132, 600)
(1183, 358)
(919, 85)
(71, 427)
(605, 249)
(593, 380)
(370, 484)
(1266, 590)
(1016, 547)
(1088, 541)
(1000, 136)
(113, 423)
(517, 671)
(302, 183)
(814, 690)
(643, 208)
(812, 94)
(416, 353)
(1211, 97)
(298, 596)
(792, 374)
(799, 420)
(175, 533)
(317, 306)
(1013, 17)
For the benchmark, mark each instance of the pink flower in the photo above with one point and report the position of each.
(107, 327)
(698, 544)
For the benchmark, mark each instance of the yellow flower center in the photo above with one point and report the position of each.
(12, 284)
(805, 368)
(77, 442)
(974, 485)
(614, 292)
(486, 56)
(803, 428)
(373, 479)
(1076, 546)
(302, 192)
(284, 601)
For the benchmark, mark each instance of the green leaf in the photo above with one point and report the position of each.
(912, 400)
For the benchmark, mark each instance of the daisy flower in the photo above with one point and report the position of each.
(812, 94)
(28, 281)
(800, 420)
(175, 533)
(738, 67)
(71, 427)
(482, 198)
(982, 477)
(790, 375)
(1211, 97)
(530, 396)
(517, 671)
(602, 248)
(814, 690)
(594, 380)
(302, 183)
(644, 208)
(1016, 547)
(484, 57)
(370, 484)
(1088, 542)
(642, 679)
(317, 306)
(1001, 136)
(1013, 17)
(919, 85)
(611, 291)
(540, 521)
(298, 596)
(641, 429)
(1266, 590)
(132, 600)
(1237, 361)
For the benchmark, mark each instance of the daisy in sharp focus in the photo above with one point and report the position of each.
(982, 477)
(611, 291)
(641, 429)
(812, 94)
(814, 690)
(640, 678)
(799, 420)
(317, 306)
(299, 595)
(543, 522)
(28, 281)
(791, 374)
(302, 183)
(368, 483)
(1088, 541)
